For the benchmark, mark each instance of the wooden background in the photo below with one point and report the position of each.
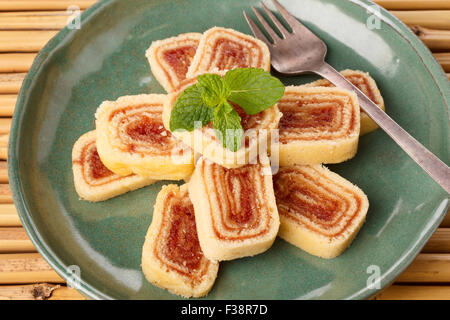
(26, 26)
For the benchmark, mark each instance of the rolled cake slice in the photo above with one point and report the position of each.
(257, 132)
(320, 212)
(131, 139)
(93, 181)
(364, 82)
(171, 256)
(319, 125)
(170, 58)
(225, 49)
(235, 209)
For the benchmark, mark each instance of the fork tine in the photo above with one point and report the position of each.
(257, 33)
(290, 19)
(266, 26)
(275, 20)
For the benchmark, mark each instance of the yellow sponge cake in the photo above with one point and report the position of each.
(93, 181)
(171, 257)
(170, 58)
(131, 139)
(235, 209)
(319, 125)
(364, 82)
(223, 49)
(320, 212)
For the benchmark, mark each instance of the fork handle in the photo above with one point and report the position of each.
(435, 168)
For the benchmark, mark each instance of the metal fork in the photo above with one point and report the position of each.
(301, 51)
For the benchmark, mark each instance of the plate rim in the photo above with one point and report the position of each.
(427, 59)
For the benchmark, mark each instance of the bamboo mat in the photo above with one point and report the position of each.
(26, 26)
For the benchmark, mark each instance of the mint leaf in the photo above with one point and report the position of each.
(254, 90)
(214, 88)
(189, 108)
(227, 124)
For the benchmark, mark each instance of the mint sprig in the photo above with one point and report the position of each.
(215, 91)
(227, 123)
(254, 90)
(189, 108)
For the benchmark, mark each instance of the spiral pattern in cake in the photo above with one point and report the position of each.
(319, 125)
(364, 82)
(225, 49)
(170, 58)
(131, 138)
(172, 257)
(235, 209)
(93, 181)
(320, 211)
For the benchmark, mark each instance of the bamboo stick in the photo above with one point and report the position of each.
(4, 138)
(33, 22)
(3, 153)
(4, 146)
(15, 240)
(24, 41)
(405, 292)
(18, 5)
(40, 13)
(8, 208)
(413, 4)
(444, 60)
(436, 19)
(428, 267)
(5, 194)
(3, 172)
(11, 82)
(9, 220)
(446, 222)
(9, 216)
(16, 62)
(7, 104)
(439, 242)
(41, 291)
(65, 293)
(5, 126)
(433, 39)
(26, 268)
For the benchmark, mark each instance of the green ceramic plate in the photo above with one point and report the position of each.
(103, 60)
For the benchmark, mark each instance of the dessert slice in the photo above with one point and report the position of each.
(319, 125)
(225, 49)
(320, 212)
(171, 257)
(257, 131)
(131, 139)
(364, 82)
(93, 181)
(235, 209)
(170, 58)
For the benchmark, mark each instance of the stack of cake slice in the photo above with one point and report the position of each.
(232, 206)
